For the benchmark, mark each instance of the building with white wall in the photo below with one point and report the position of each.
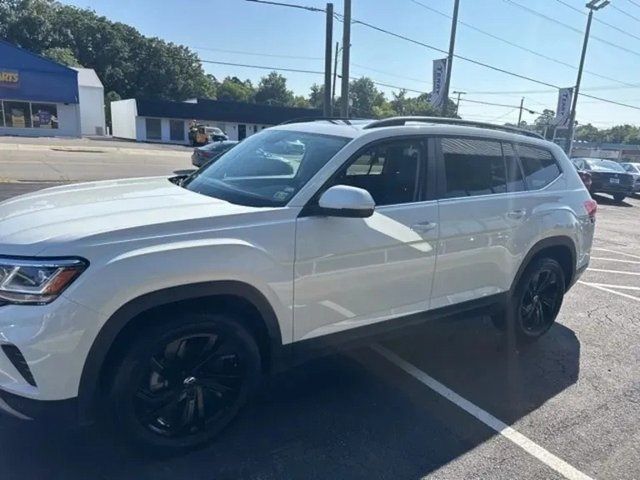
(91, 102)
(38, 97)
(42, 98)
(168, 122)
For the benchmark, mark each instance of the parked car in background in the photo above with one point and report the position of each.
(585, 177)
(211, 151)
(607, 176)
(633, 169)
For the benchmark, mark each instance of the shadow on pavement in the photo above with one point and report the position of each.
(348, 416)
(609, 201)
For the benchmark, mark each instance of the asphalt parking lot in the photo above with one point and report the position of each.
(445, 401)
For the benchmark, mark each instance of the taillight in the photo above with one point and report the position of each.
(592, 208)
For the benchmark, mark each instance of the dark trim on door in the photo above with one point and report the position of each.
(304, 350)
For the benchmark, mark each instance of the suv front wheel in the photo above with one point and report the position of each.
(182, 381)
(535, 303)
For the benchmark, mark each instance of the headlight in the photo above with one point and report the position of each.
(36, 281)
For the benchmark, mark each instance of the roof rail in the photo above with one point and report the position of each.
(346, 121)
(398, 121)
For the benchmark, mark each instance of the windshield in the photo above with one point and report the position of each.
(267, 169)
(598, 164)
(631, 168)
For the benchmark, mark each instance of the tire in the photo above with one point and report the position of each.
(535, 303)
(182, 381)
(619, 197)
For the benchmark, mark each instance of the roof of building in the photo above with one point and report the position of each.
(87, 77)
(33, 72)
(223, 111)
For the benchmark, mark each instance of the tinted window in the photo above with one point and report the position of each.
(473, 167)
(154, 129)
(389, 172)
(540, 168)
(515, 180)
(176, 130)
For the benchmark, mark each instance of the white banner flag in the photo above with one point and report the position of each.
(563, 112)
(439, 71)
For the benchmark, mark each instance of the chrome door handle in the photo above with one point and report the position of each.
(517, 214)
(423, 227)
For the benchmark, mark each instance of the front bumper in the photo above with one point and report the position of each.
(57, 412)
(53, 342)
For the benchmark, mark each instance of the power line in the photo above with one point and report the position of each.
(567, 26)
(292, 5)
(498, 105)
(520, 47)
(389, 73)
(263, 67)
(240, 52)
(470, 60)
(624, 12)
(633, 2)
(476, 62)
(618, 29)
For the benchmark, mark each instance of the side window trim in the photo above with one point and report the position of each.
(419, 196)
(516, 156)
(441, 190)
(537, 147)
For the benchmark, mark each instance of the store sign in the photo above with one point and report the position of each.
(9, 78)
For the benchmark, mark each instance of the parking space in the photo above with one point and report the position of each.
(446, 400)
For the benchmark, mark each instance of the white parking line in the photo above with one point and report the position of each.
(635, 262)
(614, 251)
(605, 289)
(612, 271)
(485, 417)
(607, 285)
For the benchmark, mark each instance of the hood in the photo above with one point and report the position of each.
(30, 223)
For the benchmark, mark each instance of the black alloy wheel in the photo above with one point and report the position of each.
(181, 383)
(540, 302)
(538, 299)
(189, 383)
(535, 303)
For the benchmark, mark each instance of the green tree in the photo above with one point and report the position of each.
(62, 55)
(232, 88)
(272, 90)
(301, 102)
(588, 133)
(364, 98)
(316, 96)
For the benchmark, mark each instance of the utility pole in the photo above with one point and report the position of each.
(346, 49)
(458, 101)
(593, 5)
(520, 114)
(335, 75)
(452, 45)
(328, 107)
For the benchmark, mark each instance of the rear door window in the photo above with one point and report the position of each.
(473, 167)
(539, 166)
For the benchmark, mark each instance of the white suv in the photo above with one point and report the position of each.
(159, 302)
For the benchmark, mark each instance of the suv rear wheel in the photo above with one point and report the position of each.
(619, 197)
(180, 383)
(536, 301)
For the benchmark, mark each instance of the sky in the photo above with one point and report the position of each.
(240, 31)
